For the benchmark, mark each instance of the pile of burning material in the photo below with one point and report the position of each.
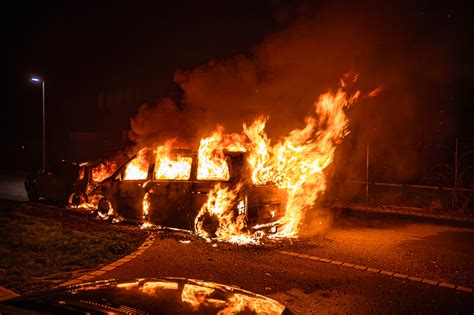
(238, 188)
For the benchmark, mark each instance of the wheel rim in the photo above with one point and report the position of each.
(76, 199)
(103, 208)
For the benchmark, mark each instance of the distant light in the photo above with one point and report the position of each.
(35, 79)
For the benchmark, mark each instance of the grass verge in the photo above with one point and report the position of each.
(41, 247)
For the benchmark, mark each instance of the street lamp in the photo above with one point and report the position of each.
(39, 80)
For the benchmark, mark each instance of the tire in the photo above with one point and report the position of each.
(32, 194)
(77, 198)
(103, 208)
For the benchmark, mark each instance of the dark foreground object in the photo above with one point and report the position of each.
(145, 296)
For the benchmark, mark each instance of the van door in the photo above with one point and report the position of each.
(170, 194)
(170, 204)
(130, 186)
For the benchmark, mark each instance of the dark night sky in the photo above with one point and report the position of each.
(83, 49)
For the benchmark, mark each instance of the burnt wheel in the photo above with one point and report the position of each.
(32, 194)
(77, 198)
(208, 224)
(104, 208)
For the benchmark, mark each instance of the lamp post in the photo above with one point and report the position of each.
(39, 80)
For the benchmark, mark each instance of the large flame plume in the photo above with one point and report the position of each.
(295, 163)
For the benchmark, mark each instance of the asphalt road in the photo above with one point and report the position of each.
(437, 252)
(410, 248)
(12, 185)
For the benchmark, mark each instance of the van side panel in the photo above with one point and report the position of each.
(170, 204)
(266, 203)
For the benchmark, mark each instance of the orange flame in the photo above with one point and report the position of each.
(375, 91)
(168, 168)
(103, 171)
(209, 295)
(211, 161)
(220, 207)
(195, 295)
(146, 206)
(294, 163)
(137, 169)
(297, 162)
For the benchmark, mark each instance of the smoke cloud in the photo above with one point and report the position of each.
(154, 124)
(283, 76)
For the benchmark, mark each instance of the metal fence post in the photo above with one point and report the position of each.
(367, 175)
(453, 202)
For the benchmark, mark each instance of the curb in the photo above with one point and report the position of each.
(6, 294)
(354, 209)
(90, 275)
(440, 283)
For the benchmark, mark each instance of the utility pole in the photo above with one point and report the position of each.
(44, 130)
(453, 201)
(38, 80)
(367, 174)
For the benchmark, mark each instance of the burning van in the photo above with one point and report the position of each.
(237, 187)
(170, 187)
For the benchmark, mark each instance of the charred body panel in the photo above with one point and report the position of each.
(170, 204)
(266, 203)
(176, 203)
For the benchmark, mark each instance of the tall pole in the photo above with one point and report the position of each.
(367, 175)
(44, 130)
(455, 184)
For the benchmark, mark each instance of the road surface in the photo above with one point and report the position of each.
(12, 185)
(401, 248)
(352, 264)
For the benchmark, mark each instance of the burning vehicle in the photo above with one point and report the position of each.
(169, 187)
(67, 182)
(237, 187)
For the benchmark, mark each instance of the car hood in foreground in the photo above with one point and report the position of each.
(145, 296)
